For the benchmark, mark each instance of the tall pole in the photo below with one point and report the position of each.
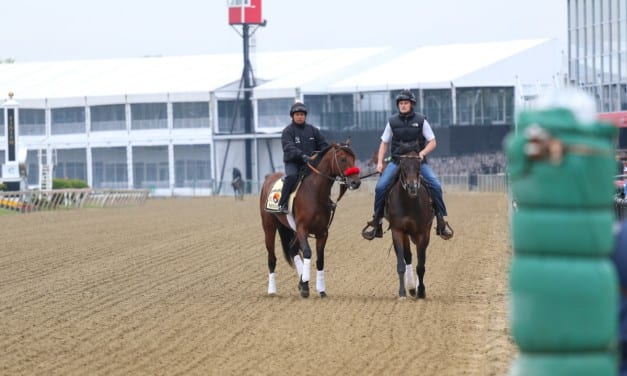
(248, 107)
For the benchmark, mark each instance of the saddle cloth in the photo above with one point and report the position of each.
(272, 201)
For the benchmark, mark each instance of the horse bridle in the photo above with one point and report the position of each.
(402, 177)
(342, 178)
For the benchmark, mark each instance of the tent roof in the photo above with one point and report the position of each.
(279, 73)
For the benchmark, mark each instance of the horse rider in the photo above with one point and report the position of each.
(237, 177)
(406, 126)
(299, 140)
(237, 174)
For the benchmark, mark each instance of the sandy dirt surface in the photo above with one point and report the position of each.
(179, 287)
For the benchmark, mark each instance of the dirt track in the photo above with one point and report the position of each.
(178, 287)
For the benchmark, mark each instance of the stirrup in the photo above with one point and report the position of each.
(376, 232)
(444, 230)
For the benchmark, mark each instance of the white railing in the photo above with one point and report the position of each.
(458, 183)
(30, 201)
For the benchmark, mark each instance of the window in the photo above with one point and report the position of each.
(71, 164)
(108, 118)
(485, 106)
(337, 111)
(32, 122)
(109, 168)
(374, 110)
(191, 114)
(68, 120)
(149, 116)
(150, 167)
(192, 166)
(437, 107)
(275, 112)
(230, 116)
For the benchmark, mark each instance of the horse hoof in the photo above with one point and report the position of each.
(402, 298)
(412, 292)
(422, 294)
(323, 294)
(304, 289)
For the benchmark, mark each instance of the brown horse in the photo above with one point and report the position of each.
(312, 212)
(410, 213)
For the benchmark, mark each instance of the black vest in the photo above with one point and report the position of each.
(406, 129)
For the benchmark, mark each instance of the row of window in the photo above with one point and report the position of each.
(109, 166)
(597, 35)
(473, 106)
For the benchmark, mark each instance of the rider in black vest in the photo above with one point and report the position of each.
(300, 140)
(406, 126)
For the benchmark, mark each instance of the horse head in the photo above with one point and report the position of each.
(344, 161)
(338, 163)
(409, 168)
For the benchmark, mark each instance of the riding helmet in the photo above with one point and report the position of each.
(406, 95)
(298, 107)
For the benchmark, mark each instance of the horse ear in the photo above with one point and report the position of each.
(348, 141)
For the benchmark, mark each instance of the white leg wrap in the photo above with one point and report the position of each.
(306, 270)
(410, 279)
(320, 285)
(271, 284)
(298, 262)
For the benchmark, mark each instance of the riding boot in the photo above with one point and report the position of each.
(443, 229)
(288, 184)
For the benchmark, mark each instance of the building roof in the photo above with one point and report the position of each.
(284, 73)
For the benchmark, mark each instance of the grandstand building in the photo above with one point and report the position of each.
(173, 124)
(597, 56)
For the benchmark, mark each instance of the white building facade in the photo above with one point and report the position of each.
(174, 125)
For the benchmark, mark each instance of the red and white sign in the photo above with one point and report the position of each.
(244, 12)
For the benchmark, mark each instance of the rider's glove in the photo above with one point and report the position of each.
(305, 158)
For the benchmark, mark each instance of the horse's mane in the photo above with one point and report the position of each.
(405, 148)
(344, 146)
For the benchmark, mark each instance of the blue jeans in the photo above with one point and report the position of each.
(433, 184)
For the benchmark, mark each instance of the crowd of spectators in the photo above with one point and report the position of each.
(473, 164)
(478, 163)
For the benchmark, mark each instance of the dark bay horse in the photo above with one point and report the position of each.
(238, 188)
(312, 212)
(410, 213)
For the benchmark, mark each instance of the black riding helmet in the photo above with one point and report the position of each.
(406, 95)
(298, 107)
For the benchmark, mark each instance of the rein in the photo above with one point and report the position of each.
(340, 179)
(368, 175)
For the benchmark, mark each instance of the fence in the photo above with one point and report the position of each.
(460, 183)
(30, 201)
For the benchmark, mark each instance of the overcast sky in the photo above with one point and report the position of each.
(43, 30)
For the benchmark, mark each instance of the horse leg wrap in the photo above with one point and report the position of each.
(410, 279)
(306, 270)
(320, 285)
(271, 284)
(298, 262)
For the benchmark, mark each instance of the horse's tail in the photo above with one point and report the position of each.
(287, 239)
